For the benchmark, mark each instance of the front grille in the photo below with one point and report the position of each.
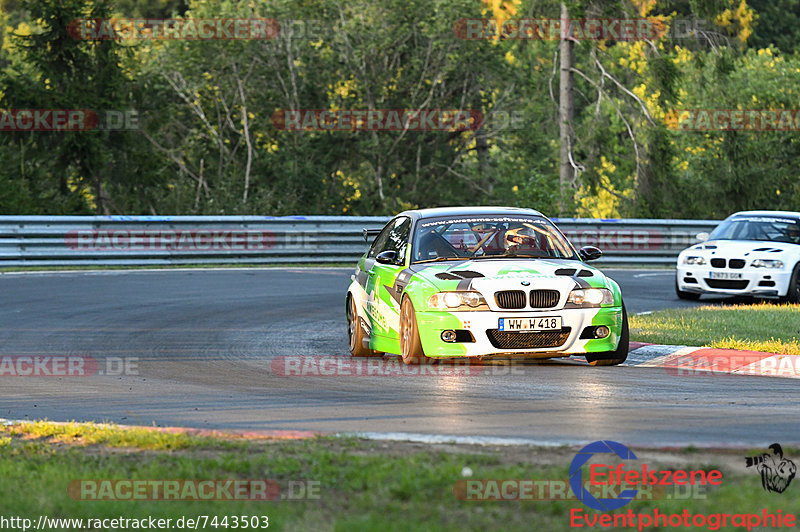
(510, 299)
(718, 263)
(544, 298)
(736, 264)
(724, 283)
(529, 340)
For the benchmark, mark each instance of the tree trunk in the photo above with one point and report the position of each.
(565, 113)
(482, 147)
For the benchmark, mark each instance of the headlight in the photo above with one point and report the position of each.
(457, 301)
(697, 261)
(767, 263)
(591, 297)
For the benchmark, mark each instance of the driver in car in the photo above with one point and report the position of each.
(517, 238)
(793, 233)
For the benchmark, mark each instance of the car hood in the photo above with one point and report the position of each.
(540, 273)
(744, 249)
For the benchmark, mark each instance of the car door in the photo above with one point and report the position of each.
(384, 295)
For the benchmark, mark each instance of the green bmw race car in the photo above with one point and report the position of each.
(482, 282)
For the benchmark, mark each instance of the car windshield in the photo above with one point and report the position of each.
(489, 237)
(761, 228)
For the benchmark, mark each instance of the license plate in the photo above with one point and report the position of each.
(724, 275)
(523, 324)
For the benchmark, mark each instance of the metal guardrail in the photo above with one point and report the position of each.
(169, 240)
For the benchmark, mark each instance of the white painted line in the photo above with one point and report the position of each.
(492, 440)
(464, 440)
(124, 271)
(653, 274)
(659, 360)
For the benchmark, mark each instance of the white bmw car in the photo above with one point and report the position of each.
(751, 253)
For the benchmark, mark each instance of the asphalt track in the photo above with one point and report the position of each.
(201, 344)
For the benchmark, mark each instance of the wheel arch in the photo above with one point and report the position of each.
(418, 290)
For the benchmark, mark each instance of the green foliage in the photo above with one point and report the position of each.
(737, 170)
(47, 68)
(778, 25)
(207, 144)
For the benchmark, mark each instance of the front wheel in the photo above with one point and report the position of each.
(620, 354)
(358, 341)
(793, 293)
(410, 344)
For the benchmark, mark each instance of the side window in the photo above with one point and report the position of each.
(398, 238)
(380, 240)
(394, 237)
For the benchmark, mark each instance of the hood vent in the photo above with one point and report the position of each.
(468, 274)
(570, 272)
(769, 250)
(458, 275)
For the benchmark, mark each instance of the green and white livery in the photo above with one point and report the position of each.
(482, 282)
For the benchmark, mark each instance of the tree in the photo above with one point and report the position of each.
(50, 69)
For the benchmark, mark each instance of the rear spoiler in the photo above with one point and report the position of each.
(370, 233)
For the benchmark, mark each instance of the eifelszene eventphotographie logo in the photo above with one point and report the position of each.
(627, 479)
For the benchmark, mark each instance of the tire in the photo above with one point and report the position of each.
(355, 332)
(689, 296)
(793, 293)
(410, 345)
(618, 356)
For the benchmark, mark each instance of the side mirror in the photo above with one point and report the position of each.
(387, 257)
(702, 237)
(588, 253)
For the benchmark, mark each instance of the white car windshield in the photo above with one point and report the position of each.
(761, 228)
(489, 237)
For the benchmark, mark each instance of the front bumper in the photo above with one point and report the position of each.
(488, 341)
(761, 282)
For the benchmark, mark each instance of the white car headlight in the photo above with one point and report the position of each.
(767, 263)
(458, 301)
(591, 297)
(693, 259)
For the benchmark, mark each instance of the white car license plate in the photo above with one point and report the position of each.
(526, 324)
(724, 275)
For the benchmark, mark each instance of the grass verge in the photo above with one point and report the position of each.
(363, 485)
(767, 327)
